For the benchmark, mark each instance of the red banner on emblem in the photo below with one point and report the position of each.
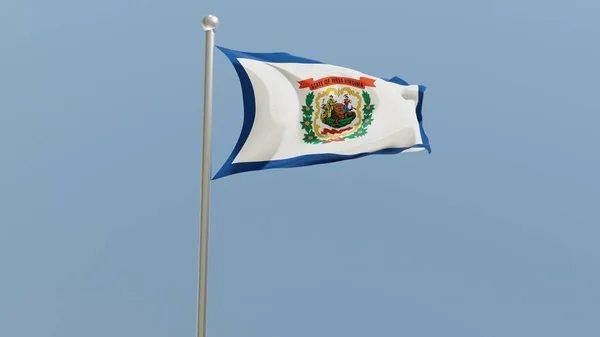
(334, 132)
(336, 80)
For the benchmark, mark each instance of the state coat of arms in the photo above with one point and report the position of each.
(334, 110)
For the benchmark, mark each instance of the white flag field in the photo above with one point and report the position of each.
(300, 112)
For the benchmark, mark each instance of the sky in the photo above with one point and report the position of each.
(493, 234)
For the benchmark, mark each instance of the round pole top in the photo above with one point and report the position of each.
(210, 22)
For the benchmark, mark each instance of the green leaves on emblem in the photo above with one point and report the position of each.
(306, 122)
(367, 111)
(310, 98)
(362, 130)
(307, 114)
(366, 98)
(311, 138)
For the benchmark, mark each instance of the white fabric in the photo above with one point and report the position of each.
(277, 131)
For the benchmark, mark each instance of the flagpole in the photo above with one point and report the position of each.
(209, 24)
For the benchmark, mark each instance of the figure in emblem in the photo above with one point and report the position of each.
(328, 107)
(330, 104)
(347, 104)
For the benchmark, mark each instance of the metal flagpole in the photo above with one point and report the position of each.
(209, 23)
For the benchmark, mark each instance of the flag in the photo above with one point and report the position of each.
(300, 112)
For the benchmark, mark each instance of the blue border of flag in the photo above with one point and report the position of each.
(230, 168)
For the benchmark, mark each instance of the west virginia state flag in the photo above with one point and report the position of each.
(300, 112)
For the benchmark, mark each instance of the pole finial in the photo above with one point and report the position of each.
(210, 22)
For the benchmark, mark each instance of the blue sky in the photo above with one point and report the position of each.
(492, 234)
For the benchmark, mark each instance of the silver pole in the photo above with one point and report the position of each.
(209, 23)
